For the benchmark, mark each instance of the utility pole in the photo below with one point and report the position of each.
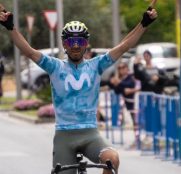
(60, 24)
(116, 22)
(180, 22)
(17, 53)
(30, 22)
(178, 29)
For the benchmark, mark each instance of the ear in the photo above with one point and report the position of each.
(64, 45)
(87, 43)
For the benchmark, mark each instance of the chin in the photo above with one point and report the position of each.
(76, 56)
(77, 59)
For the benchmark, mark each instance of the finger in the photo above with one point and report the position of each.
(8, 13)
(2, 18)
(152, 15)
(1, 8)
(152, 4)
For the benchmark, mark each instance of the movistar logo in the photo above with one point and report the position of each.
(77, 84)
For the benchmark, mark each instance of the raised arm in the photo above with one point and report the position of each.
(133, 37)
(6, 19)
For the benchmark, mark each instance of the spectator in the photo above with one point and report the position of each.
(124, 83)
(89, 53)
(1, 74)
(152, 78)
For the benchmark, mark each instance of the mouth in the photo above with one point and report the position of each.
(76, 50)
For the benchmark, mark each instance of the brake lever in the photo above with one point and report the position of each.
(110, 166)
(56, 169)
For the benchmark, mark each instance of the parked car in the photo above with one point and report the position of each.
(33, 77)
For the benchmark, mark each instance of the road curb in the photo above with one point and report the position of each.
(26, 118)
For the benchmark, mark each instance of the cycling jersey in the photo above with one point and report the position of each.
(75, 89)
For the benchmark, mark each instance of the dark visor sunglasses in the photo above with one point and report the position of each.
(80, 41)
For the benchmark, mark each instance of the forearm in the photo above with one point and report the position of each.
(129, 42)
(24, 46)
(129, 91)
(133, 37)
(130, 33)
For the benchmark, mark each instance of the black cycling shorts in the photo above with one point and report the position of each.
(68, 143)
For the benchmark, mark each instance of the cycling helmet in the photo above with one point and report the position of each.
(75, 29)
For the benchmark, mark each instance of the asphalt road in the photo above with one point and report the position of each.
(26, 148)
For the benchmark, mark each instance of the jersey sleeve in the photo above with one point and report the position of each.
(104, 62)
(48, 63)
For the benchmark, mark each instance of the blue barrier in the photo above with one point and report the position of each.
(179, 126)
(115, 108)
(106, 114)
(115, 112)
(155, 123)
(172, 129)
(158, 117)
(145, 116)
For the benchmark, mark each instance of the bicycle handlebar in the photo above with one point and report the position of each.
(82, 166)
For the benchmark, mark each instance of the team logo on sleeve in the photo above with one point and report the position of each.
(77, 84)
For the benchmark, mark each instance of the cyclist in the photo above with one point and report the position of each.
(75, 87)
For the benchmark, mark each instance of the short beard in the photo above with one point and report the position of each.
(74, 60)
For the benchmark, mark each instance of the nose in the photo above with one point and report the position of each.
(76, 45)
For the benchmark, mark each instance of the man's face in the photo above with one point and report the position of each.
(123, 69)
(75, 47)
(147, 57)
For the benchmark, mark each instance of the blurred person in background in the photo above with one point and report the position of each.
(89, 54)
(125, 84)
(75, 86)
(1, 73)
(152, 79)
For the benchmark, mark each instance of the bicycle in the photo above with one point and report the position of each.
(82, 166)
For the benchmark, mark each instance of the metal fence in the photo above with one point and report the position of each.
(158, 119)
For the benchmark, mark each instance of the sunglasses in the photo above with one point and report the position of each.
(80, 41)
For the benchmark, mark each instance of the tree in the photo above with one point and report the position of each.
(163, 28)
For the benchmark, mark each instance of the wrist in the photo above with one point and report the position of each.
(12, 29)
(143, 27)
(147, 19)
(8, 23)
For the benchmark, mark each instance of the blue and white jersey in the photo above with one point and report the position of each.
(75, 90)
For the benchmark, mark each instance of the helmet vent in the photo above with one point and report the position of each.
(75, 28)
(71, 28)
